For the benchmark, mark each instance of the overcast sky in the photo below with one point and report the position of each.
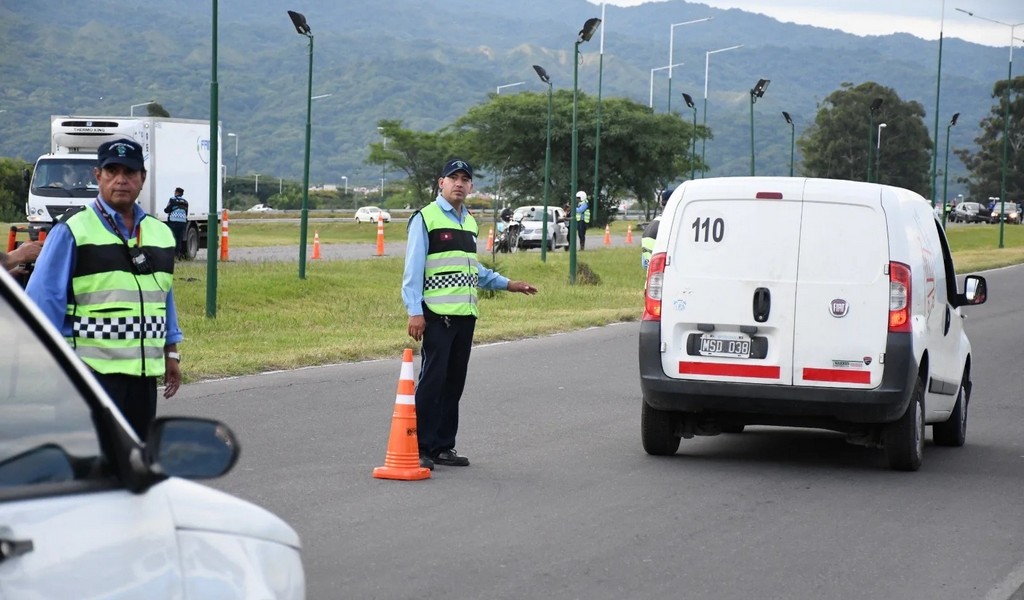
(923, 18)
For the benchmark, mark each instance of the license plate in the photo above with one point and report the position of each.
(725, 345)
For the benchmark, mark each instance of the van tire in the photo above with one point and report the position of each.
(191, 241)
(904, 438)
(658, 431)
(953, 432)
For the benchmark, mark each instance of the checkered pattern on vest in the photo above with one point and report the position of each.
(126, 328)
(451, 280)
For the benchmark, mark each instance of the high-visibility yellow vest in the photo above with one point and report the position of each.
(585, 216)
(647, 241)
(451, 273)
(118, 318)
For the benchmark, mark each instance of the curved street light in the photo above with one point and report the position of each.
(872, 110)
(302, 28)
(498, 89)
(693, 138)
(671, 53)
(792, 140)
(707, 64)
(589, 28)
(945, 169)
(235, 135)
(650, 101)
(547, 166)
(878, 153)
(131, 110)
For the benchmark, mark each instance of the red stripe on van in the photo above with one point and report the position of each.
(728, 370)
(837, 375)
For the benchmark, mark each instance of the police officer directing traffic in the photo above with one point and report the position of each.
(439, 289)
(104, 279)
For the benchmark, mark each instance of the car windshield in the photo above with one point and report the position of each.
(46, 428)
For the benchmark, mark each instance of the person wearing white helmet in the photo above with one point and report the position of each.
(582, 218)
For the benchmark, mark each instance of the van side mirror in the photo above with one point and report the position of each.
(975, 291)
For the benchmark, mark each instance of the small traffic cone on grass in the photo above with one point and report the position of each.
(380, 234)
(402, 460)
(316, 244)
(607, 235)
(629, 234)
(224, 235)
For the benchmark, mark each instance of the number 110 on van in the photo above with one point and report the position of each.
(705, 230)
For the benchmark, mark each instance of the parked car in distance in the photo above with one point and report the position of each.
(262, 208)
(369, 214)
(969, 212)
(1008, 213)
(532, 233)
(89, 511)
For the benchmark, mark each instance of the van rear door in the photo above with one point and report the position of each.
(730, 280)
(842, 298)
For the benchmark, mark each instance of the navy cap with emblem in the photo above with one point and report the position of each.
(121, 152)
(455, 165)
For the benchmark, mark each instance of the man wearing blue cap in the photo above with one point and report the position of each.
(439, 289)
(103, 279)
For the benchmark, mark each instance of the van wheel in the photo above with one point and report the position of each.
(904, 438)
(954, 431)
(658, 431)
(191, 242)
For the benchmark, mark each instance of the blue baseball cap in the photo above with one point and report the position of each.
(457, 164)
(121, 152)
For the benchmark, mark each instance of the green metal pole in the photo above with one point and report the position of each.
(935, 146)
(1006, 137)
(547, 182)
(945, 176)
(573, 175)
(693, 147)
(212, 218)
(305, 169)
(703, 140)
(751, 133)
(792, 146)
(595, 199)
(871, 143)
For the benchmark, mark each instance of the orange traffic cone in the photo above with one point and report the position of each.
(316, 244)
(490, 239)
(402, 460)
(224, 235)
(629, 234)
(380, 234)
(607, 235)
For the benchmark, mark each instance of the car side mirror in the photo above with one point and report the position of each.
(975, 291)
(191, 448)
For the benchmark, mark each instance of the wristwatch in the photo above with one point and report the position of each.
(176, 356)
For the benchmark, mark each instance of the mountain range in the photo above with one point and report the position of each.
(426, 61)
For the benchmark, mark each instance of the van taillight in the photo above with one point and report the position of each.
(655, 281)
(899, 297)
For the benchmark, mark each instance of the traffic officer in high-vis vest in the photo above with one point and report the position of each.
(104, 280)
(582, 218)
(439, 289)
(651, 233)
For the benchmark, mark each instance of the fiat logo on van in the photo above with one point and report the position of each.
(839, 308)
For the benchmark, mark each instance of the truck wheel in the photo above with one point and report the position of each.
(191, 242)
(658, 431)
(954, 431)
(904, 438)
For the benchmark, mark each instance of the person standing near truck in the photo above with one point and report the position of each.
(103, 279)
(582, 218)
(177, 219)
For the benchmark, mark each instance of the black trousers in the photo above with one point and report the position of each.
(581, 232)
(134, 396)
(178, 229)
(445, 361)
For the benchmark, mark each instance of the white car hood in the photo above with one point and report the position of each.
(198, 507)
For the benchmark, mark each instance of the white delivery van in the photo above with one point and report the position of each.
(804, 302)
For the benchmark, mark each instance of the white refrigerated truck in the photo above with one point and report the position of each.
(176, 152)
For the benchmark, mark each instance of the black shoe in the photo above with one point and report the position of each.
(425, 461)
(451, 458)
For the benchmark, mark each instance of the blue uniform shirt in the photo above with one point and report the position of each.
(48, 286)
(416, 260)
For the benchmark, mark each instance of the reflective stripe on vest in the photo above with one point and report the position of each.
(451, 273)
(118, 318)
(585, 216)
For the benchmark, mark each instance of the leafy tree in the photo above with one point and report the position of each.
(836, 145)
(986, 164)
(13, 191)
(420, 155)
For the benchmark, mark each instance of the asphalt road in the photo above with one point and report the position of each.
(562, 502)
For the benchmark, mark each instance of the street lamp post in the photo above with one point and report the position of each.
(589, 28)
(547, 166)
(1006, 122)
(650, 101)
(131, 111)
(704, 123)
(302, 28)
(875, 105)
(345, 179)
(693, 138)
(755, 92)
(383, 167)
(212, 216)
(792, 140)
(671, 53)
(595, 201)
(938, 89)
(235, 135)
(878, 153)
(945, 168)
(498, 89)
